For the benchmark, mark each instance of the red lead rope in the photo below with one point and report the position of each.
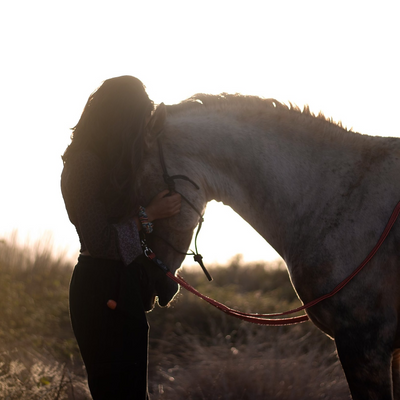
(254, 318)
(263, 319)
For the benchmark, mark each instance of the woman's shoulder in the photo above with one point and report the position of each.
(83, 168)
(84, 162)
(85, 158)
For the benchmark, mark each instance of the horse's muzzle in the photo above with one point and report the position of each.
(154, 285)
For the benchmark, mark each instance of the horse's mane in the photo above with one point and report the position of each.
(248, 105)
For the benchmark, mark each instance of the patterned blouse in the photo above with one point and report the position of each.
(82, 186)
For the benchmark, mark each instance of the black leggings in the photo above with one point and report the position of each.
(113, 343)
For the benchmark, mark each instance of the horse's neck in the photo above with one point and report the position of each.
(275, 178)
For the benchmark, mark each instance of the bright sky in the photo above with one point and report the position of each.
(341, 57)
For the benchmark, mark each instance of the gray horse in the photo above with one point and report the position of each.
(319, 194)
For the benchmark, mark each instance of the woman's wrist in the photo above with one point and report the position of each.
(149, 213)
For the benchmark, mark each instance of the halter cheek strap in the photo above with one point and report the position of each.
(170, 182)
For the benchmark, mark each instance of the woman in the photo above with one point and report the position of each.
(100, 195)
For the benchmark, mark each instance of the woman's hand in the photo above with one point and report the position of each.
(163, 206)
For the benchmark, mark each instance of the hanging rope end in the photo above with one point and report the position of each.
(199, 259)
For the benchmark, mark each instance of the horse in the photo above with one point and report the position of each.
(319, 193)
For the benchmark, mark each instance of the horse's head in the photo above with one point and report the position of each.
(175, 233)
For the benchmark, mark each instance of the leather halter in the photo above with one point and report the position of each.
(170, 182)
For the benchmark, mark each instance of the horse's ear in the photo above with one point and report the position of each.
(156, 124)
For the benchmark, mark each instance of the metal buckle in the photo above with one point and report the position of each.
(146, 249)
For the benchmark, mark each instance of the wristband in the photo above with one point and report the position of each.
(144, 220)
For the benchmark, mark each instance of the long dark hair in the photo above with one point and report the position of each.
(112, 126)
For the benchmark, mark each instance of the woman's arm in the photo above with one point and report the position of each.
(83, 185)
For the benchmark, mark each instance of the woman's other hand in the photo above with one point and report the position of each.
(163, 206)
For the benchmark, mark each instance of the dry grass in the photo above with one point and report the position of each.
(252, 372)
(31, 376)
(196, 352)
